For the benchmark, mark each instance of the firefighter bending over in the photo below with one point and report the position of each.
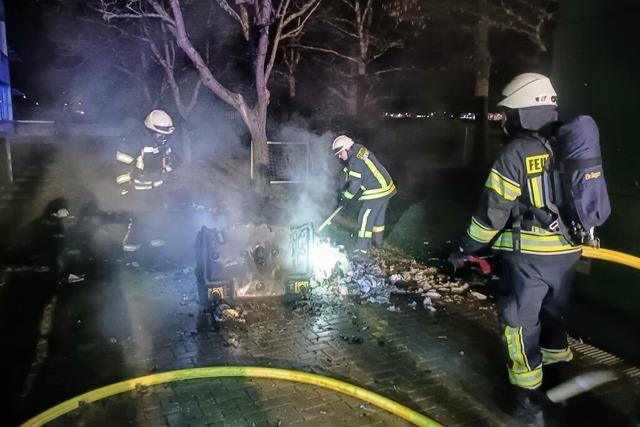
(145, 174)
(366, 180)
(538, 262)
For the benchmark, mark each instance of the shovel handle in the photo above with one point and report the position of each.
(328, 220)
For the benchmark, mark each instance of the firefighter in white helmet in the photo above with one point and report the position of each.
(147, 166)
(537, 260)
(366, 180)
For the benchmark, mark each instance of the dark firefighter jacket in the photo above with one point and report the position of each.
(366, 177)
(517, 181)
(145, 168)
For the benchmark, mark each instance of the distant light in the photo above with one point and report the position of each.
(24, 96)
(37, 103)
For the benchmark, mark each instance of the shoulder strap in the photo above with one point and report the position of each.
(362, 153)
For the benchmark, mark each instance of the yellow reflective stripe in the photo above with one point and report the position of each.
(368, 234)
(378, 193)
(536, 243)
(124, 158)
(140, 163)
(380, 190)
(550, 356)
(363, 226)
(505, 188)
(530, 380)
(479, 232)
(355, 174)
(535, 191)
(347, 195)
(125, 177)
(374, 170)
(515, 347)
(378, 229)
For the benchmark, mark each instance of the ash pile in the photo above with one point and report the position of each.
(389, 272)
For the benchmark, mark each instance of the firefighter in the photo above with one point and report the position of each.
(145, 174)
(537, 261)
(366, 180)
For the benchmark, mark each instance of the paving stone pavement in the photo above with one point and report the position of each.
(444, 364)
(121, 322)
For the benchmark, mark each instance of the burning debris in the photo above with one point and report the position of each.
(388, 272)
(249, 260)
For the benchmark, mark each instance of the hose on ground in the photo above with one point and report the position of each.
(234, 371)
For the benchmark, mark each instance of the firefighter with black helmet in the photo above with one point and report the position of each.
(366, 180)
(145, 174)
(538, 261)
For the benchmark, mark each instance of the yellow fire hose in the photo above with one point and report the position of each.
(613, 256)
(233, 371)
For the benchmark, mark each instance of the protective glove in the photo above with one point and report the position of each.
(342, 201)
(457, 258)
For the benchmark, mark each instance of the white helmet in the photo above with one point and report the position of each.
(159, 121)
(343, 142)
(528, 90)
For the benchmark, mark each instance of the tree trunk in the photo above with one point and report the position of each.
(292, 87)
(187, 152)
(361, 86)
(259, 149)
(481, 92)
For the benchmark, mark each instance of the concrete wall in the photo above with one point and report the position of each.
(596, 71)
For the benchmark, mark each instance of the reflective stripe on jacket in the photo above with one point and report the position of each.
(366, 176)
(518, 177)
(145, 170)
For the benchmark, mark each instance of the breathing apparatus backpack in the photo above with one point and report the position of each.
(578, 200)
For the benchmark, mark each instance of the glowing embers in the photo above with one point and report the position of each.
(324, 258)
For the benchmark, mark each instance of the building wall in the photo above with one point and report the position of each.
(5, 86)
(596, 71)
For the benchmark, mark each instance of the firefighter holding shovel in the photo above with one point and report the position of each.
(368, 181)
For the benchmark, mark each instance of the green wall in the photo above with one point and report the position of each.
(596, 71)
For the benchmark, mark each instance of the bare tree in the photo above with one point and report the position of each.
(356, 41)
(255, 19)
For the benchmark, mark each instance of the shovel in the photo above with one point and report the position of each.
(581, 384)
(328, 220)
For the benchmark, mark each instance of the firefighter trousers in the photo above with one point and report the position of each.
(371, 224)
(532, 313)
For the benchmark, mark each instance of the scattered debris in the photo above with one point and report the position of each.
(224, 312)
(354, 339)
(478, 296)
(388, 272)
(61, 213)
(74, 278)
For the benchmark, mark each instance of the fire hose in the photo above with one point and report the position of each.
(613, 256)
(587, 252)
(343, 387)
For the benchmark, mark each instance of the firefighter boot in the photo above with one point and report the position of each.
(527, 405)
